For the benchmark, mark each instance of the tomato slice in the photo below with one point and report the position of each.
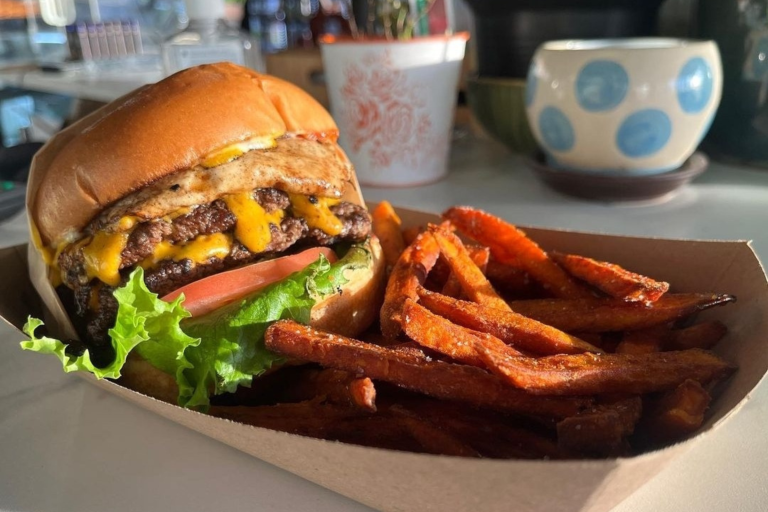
(213, 292)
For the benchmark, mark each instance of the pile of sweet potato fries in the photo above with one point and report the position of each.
(496, 348)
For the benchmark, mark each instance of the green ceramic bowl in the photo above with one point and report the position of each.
(499, 106)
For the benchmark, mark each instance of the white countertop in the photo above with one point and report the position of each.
(64, 445)
(79, 84)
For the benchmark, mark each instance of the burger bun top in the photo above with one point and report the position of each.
(158, 130)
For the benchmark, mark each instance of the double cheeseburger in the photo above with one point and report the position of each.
(177, 222)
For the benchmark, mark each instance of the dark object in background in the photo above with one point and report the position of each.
(498, 104)
(508, 32)
(14, 169)
(615, 189)
(335, 21)
(740, 28)
(268, 22)
(15, 161)
(280, 24)
(284, 24)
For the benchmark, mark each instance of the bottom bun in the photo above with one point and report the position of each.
(349, 313)
(139, 375)
(357, 305)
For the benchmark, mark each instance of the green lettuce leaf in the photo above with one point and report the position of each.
(71, 363)
(214, 353)
(232, 351)
(153, 326)
(144, 322)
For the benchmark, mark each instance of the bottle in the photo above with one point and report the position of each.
(267, 23)
(297, 16)
(209, 39)
(334, 17)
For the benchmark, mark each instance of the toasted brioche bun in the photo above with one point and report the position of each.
(349, 313)
(354, 309)
(156, 131)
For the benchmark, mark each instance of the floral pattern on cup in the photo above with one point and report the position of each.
(385, 114)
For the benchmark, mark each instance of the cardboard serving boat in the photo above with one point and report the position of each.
(401, 481)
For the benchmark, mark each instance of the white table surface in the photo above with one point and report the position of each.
(90, 86)
(67, 446)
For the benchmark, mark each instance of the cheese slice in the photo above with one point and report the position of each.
(200, 250)
(127, 223)
(102, 257)
(229, 153)
(252, 227)
(316, 211)
(102, 253)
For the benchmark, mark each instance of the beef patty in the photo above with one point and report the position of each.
(169, 275)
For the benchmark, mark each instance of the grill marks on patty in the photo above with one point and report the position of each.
(169, 275)
(356, 225)
(203, 220)
(217, 218)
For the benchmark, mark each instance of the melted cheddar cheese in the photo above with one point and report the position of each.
(199, 250)
(102, 253)
(229, 153)
(46, 252)
(102, 257)
(316, 211)
(252, 227)
(176, 214)
(50, 255)
(127, 223)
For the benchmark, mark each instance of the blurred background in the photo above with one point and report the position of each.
(60, 59)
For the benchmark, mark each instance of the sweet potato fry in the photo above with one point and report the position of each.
(374, 335)
(344, 388)
(611, 279)
(386, 226)
(324, 421)
(499, 440)
(331, 386)
(432, 438)
(480, 256)
(642, 342)
(602, 315)
(438, 334)
(593, 338)
(594, 374)
(439, 274)
(678, 413)
(410, 234)
(518, 331)
(310, 418)
(452, 286)
(433, 378)
(492, 434)
(409, 273)
(511, 246)
(417, 352)
(703, 335)
(473, 282)
(409, 347)
(363, 394)
(513, 282)
(600, 431)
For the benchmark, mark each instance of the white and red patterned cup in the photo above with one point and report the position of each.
(394, 103)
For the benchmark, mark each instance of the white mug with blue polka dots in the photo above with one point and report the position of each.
(623, 106)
